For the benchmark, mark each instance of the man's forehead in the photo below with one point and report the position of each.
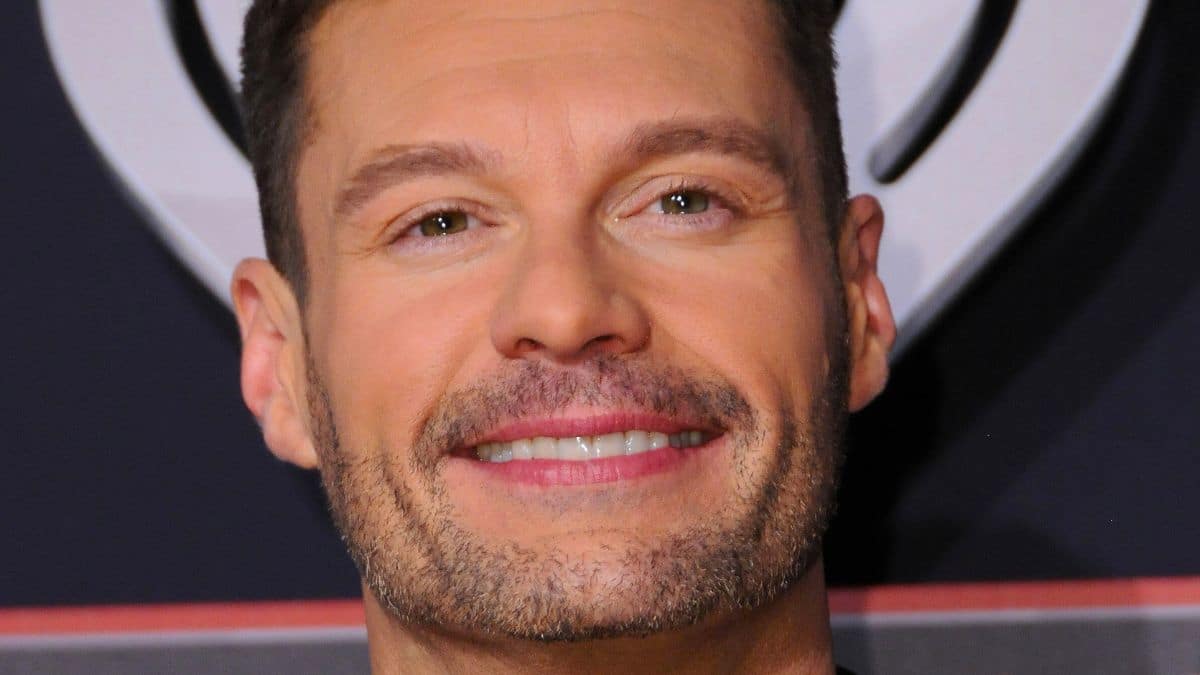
(410, 18)
(365, 51)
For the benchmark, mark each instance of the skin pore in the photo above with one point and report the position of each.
(525, 220)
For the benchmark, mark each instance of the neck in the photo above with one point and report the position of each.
(789, 634)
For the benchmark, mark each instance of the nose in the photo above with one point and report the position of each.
(566, 300)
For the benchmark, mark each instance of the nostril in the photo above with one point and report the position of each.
(525, 345)
(601, 341)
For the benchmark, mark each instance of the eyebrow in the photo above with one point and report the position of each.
(731, 137)
(395, 164)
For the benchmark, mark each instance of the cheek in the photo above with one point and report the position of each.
(394, 346)
(758, 314)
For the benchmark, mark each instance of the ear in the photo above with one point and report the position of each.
(272, 359)
(869, 316)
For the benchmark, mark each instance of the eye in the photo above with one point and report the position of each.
(428, 229)
(681, 204)
(443, 223)
(684, 202)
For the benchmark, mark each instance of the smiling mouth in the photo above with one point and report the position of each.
(585, 448)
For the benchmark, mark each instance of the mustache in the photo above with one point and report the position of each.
(531, 388)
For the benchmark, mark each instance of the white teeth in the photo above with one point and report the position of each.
(609, 445)
(658, 440)
(545, 448)
(522, 449)
(495, 452)
(574, 447)
(581, 448)
(636, 441)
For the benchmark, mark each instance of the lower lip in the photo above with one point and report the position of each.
(555, 473)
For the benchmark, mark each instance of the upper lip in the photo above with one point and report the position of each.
(595, 424)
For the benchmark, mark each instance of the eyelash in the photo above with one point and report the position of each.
(690, 184)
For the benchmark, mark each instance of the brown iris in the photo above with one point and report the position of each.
(684, 202)
(441, 224)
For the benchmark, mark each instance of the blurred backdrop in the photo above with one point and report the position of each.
(1046, 426)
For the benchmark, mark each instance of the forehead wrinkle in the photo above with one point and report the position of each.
(396, 164)
(537, 15)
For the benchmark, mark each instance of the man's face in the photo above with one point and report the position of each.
(545, 241)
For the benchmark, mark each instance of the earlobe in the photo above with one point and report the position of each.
(869, 315)
(272, 376)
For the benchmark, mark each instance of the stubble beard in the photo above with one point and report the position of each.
(425, 568)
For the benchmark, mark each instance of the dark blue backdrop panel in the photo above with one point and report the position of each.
(1049, 425)
(133, 471)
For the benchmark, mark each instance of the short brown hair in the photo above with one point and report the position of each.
(277, 117)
